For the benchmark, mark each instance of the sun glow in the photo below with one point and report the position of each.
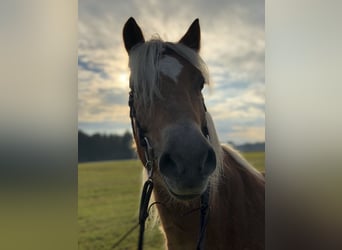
(123, 80)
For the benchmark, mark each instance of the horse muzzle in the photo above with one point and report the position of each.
(187, 161)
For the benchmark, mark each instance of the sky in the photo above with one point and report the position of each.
(232, 45)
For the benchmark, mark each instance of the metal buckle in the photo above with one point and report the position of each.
(149, 157)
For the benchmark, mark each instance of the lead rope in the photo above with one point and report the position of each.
(144, 200)
(143, 213)
(204, 214)
(146, 193)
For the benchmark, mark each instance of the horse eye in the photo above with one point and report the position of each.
(201, 81)
(198, 82)
(202, 85)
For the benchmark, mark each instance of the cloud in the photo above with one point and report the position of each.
(91, 66)
(247, 134)
(232, 46)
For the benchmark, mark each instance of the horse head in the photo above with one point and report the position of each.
(166, 82)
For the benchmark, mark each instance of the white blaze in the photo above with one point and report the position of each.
(170, 67)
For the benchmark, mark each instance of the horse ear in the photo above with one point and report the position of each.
(192, 37)
(132, 34)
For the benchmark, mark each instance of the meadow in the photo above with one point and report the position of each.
(108, 201)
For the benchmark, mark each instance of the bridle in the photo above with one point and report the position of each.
(148, 185)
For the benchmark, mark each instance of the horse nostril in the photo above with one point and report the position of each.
(210, 162)
(167, 166)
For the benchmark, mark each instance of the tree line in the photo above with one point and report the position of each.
(101, 147)
(250, 147)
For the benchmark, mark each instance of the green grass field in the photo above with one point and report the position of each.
(108, 201)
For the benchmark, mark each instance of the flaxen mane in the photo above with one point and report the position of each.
(144, 65)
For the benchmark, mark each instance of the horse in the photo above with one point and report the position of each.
(169, 118)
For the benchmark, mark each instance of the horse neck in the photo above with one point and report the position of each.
(238, 206)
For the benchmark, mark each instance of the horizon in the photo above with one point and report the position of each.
(131, 133)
